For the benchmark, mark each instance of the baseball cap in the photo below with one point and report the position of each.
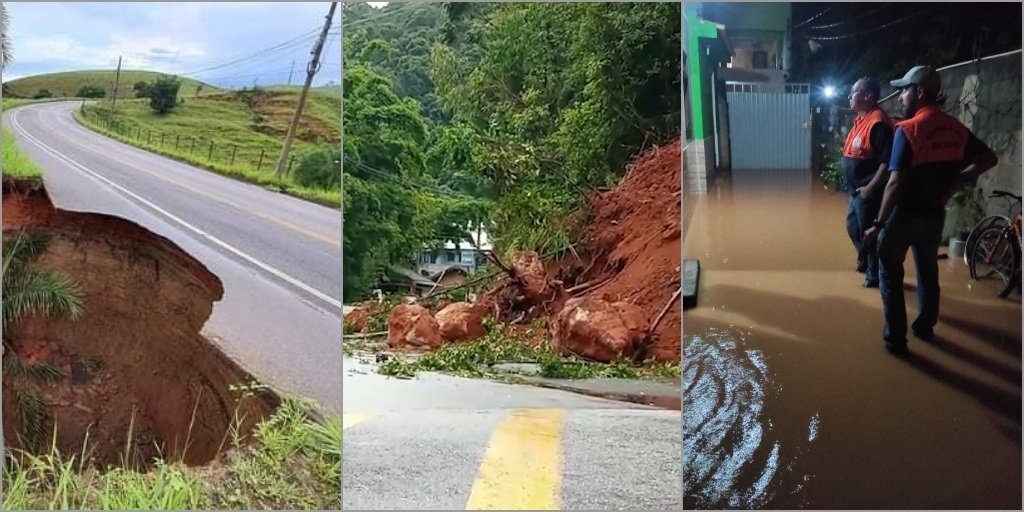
(922, 76)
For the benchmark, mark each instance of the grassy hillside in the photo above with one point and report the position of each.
(15, 163)
(68, 83)
(245, 129)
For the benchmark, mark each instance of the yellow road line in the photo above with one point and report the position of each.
(522, 467)
(351, 419)
(288, 225)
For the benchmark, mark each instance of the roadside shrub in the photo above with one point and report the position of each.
(320, 168)
(42, 94)
(91, 91)
(163, 94)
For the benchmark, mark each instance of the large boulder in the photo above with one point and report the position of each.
(412, 326)
(529, 268)
(461, 321)
(599, 330)
(359, 317)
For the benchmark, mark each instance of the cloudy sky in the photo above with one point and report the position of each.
(227, 44)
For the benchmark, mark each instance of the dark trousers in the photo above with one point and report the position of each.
(859, 217)
(922, 233)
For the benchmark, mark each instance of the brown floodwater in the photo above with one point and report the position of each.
(790, 398)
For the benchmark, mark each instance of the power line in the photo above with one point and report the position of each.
(836, 24)
(369, 19)
(887, 25)
(812, 18)
(302, 39)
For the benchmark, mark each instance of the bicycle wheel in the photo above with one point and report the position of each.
(1014, 281)
(992, 221)
(992, 256)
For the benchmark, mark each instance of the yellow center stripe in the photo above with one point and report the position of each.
(522, 467)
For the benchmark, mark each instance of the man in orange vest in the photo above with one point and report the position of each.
(865, 160)
(933, 154)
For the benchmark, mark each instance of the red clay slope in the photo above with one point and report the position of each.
(635, 228)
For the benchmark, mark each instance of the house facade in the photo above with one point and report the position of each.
(722, 43)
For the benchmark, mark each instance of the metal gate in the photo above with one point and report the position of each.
(769, 125)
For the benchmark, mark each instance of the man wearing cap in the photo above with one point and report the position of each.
(932, 155)
(865, 160)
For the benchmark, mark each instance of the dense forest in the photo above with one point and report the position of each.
(505, 115)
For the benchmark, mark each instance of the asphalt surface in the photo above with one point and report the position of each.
(445, 443)
(278, 257)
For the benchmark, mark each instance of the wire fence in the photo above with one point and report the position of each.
(231, 155)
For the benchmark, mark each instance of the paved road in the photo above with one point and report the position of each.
(444, 443)
(278, 257)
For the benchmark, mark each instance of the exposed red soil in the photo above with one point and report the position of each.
(146, 301)
(634, 240)
(625, 273)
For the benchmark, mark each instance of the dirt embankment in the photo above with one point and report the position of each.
(134, 364)
(602, 301)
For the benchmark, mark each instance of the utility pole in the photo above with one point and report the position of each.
(117, 80)
(290, 73)
(311, 70)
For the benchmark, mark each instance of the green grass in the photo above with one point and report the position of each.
(15, 163)
(477, 358)
(242, 147)
(293, 464)
(68, 83)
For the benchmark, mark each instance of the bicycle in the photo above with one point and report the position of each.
(992, 221)
(997, 250)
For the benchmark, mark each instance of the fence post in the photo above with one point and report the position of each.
(177, 139)
(210, 156)
(291, 160)
(259, 166)
(193, 146)
(234, 150)
(149, 136)
(162, 135)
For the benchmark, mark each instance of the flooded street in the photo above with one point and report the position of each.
(791, 400)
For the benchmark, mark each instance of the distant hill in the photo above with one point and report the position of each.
(68, 83)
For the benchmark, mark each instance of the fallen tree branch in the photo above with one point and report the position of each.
(484, 278)
(364, 336)
(588, 286)
(675, 296)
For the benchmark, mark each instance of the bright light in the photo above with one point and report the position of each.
(829, 92)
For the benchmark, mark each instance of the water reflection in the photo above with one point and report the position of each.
(732, 456)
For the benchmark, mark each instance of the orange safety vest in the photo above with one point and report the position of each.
(858, 142)
(935, 136)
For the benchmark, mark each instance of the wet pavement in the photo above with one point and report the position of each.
(792, 400)
(445, 443)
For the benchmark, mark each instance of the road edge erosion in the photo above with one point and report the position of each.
(134, 364)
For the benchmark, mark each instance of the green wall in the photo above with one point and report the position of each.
(702, 36)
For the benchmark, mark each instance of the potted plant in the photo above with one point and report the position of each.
(963, 211)
(832, 166)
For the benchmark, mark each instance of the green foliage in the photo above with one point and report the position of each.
(42, 94)
(320, 168)
(16, 164)
(91, 91)
(476, 359)
(964, 210)
(163, 94)
(141, 89)
(553, 100)
(832, 164)
(386, 220)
